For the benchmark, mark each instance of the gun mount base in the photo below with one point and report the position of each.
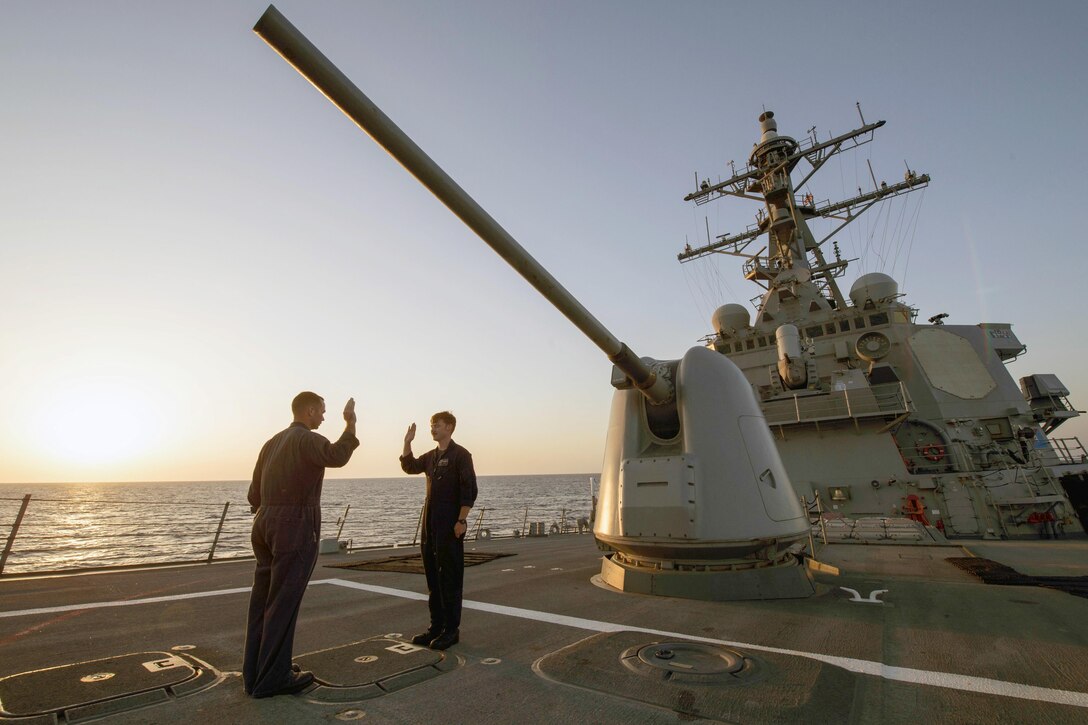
(727, 581)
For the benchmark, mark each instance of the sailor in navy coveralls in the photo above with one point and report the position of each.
(451, 492)
(286, 496)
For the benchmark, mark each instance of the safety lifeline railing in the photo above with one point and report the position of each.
(14, 532)
(566, 523)
(1064, 451)
(61, 534)
(814, 510)
(52, 534)
(875, 401)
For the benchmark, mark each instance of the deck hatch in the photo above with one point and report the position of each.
(77, 685)
(705, 680)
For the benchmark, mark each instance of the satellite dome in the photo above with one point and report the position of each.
(874, 286)
(727, 319)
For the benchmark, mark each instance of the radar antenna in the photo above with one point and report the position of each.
(784, 218)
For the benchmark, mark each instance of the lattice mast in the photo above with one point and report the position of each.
(792, 266)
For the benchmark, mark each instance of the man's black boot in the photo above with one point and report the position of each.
(424, 639)
(446, 640)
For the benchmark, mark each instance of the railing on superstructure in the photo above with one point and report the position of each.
(874, 528)
(814, 511)
(933, 457)
(148, 533)
(1063, 451)
(852, 403)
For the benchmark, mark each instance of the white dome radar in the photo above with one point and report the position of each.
(874, 286)
(727, 319)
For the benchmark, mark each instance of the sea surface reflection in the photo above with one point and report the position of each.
(80, 525)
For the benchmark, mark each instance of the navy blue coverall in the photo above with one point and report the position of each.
(451, 484)
(286, 494)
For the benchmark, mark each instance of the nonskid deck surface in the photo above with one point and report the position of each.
(900, 634)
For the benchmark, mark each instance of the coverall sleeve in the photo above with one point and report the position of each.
(411, 464)
(466, 480)
(331, 455)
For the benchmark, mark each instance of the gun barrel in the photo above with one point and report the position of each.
(297, 50)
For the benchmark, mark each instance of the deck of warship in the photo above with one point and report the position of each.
(898, 635)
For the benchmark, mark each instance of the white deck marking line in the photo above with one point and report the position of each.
(911, 675)
(172, 598)
(124, 602)
(877, 669)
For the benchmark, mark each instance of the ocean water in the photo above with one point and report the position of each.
(82, 525)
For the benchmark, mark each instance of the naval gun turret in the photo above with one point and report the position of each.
(694, 499)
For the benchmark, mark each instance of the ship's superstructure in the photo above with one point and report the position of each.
(874, 414)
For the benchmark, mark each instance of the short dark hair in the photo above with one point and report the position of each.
(304, 400)
(445, 417)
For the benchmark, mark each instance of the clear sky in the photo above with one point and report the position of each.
(190, 234)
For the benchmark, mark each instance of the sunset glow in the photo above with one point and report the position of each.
(190, 234)
(96, 421)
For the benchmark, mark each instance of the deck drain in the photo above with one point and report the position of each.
(351, 715)
(365, 659)
(690, 661)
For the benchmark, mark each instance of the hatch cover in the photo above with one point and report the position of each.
(690, 661)
(113, 684)
(723, 683)
(371, 668)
